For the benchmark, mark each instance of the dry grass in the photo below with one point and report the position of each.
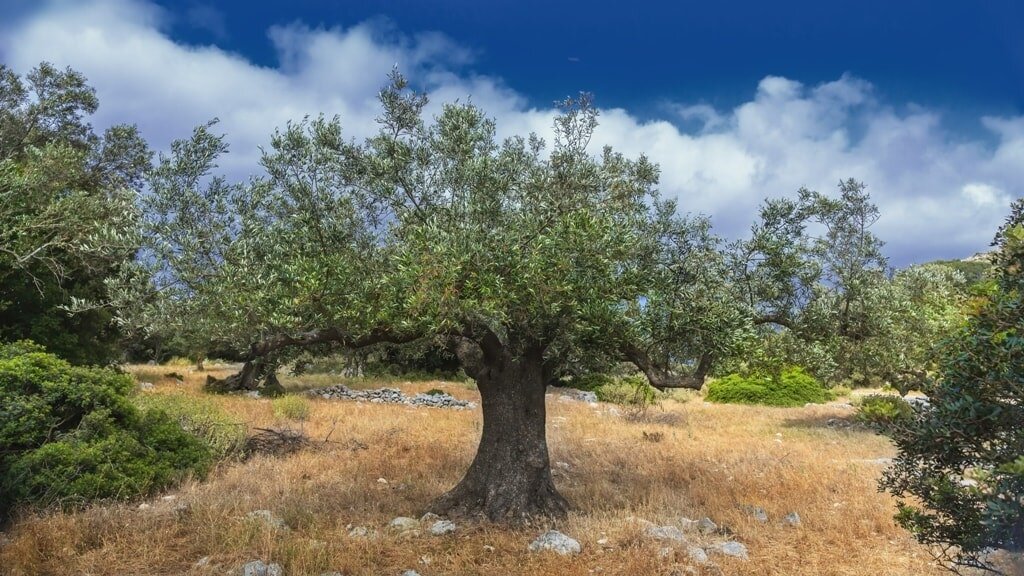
(711, 461)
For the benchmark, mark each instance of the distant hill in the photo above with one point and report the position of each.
(974, 268)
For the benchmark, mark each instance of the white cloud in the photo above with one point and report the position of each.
(941, 195)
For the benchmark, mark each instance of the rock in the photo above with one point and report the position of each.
(666, 533)
(404, 524)
(791, 519)
(392, 396)
(731, 548)
(145, 385)
(758, 513)
(202, 562)
(268, 518)
(489, 548)
(919, 402)
(602, 541)
(686, 524)
(555, 541)
(429, 518)
(332, 574)
(359, 532)
(259, 568)
(410, 573)
(697, 554)
(382, 480)
(706, 525)
(169, 497)
(645, 524)
(442, 527)
(667, 553)
(144, 506)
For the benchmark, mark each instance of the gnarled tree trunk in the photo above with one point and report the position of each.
(510, 477)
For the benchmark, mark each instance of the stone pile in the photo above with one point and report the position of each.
(392, 396)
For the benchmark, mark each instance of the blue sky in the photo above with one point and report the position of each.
(736, 101)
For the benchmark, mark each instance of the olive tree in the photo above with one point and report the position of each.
(523, 259)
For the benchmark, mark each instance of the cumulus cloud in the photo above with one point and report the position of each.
(941, 194)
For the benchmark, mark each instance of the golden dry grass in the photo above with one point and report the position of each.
(711, 461)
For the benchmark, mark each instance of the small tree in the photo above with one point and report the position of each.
(959, 475)
(525, 262)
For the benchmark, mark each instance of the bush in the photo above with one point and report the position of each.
(884, 411)
(70, 434)
(292, 407)
(793, 387)
(202, 418)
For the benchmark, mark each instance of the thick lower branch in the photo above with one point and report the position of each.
(662, 377)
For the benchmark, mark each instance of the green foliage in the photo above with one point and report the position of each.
(292, 407)
(884, 411)
(201, 417)
(70, 434)
(67, 213)
(972, 431)
(792, 387)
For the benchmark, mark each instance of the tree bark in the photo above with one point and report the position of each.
(510, 477)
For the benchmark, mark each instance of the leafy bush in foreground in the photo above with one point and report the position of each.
(70, 434)
(959, 476)
(292, 407)
(201, 417)
(793, 387)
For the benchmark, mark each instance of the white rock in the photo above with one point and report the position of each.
(259, 568)
(758, 513)
(202, 562)
(555, 541)
(602, 541)
(144, 506)
(706, 525)
(410, 573)
(667, 553)
(382, 481)
(404, 524)
(145, 385)
(442, 527)
(268, 518)
(731, 548)
(359, 532)
(666, 533)
(429, 518)
(698, 555)
(488, 548)
(791, 519)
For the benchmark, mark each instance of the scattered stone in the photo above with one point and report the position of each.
(404, 524)
(758, 513)
(666, 533)
(602, 542)
(252, 394)
(667, 553)
(706, 526)
(382, 481)
(144, 506)
(791, 519)
(442, 527)
(332, 574)
(202, 562)
(731, 548)
(488, 548)
(555, 541)
(919, 402)
(267, 517)
(145, 385)
(688, 524)
(563, 465)
(169, 497)
(410, 573)
(429, 518)
(182, 510)
(697, 554)
(567, 394)
(259, 568)
(392, 396)
(359, 532)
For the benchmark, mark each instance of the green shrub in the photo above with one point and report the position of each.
(292, 407)
(793, 387)
(202, 418)
(70, 434)
(840, 391)
(884, 411)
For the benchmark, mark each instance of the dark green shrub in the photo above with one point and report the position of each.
(959, 475)
(201, 417)
(793, 387)
(884, 411)
(70, 434)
